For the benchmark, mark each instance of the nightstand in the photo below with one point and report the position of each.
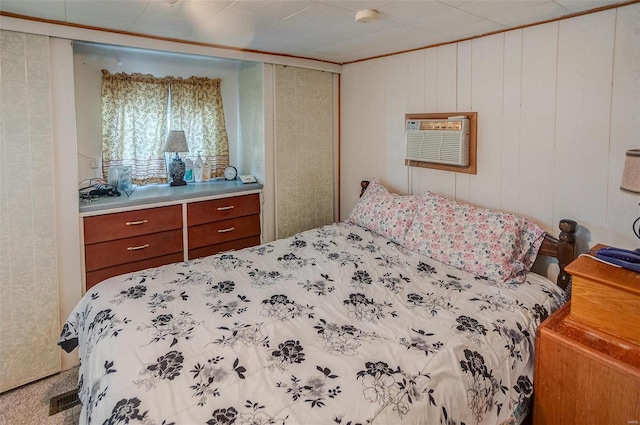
(587, 363)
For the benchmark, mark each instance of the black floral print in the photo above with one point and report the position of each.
(342, 339)
(210, 375)
(430, 302)
(333, 325)
(319, 286)
(364, 309)
(263, 278)
(226, 262)
(289, 351)
(225, 416)
(221, 288)
(394, 283)
(482, 387)
(471, 328)
(314, 390)
(133, 292)
(231, 308)
(166, 326)
(282, 308)
(361, 277)
(420, 340)
(159, 301)
(290, 261)
(166, 367)
(124, 411)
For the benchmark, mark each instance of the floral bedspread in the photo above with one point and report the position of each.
(335, 325)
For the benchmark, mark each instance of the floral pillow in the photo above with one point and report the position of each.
(385, 213)
(493, 244)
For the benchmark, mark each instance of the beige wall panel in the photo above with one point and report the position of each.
(352, 143)
(539, 58)
(397, 70)
(440, 96)
(303, 149)
(487, 94)
(583, 105)
(425, 94)
(29, 326)
(421, 72)
(531, 88)
(623, 207)
(463, 100)
(512, 74)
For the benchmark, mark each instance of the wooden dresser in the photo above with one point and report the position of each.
(123, 242)
(587, 364)
(223, 224)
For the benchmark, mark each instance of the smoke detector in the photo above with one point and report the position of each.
(366, 15)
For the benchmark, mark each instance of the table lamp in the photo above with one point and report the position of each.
(631, 179)
(176, 142)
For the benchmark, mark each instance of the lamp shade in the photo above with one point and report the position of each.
(176, 142)
(631, 173)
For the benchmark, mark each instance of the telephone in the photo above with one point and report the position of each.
(247, 179)
(620, 257)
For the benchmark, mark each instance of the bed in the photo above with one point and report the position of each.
(349, 323)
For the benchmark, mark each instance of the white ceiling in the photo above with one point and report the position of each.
(316, 29)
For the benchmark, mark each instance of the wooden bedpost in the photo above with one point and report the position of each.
(563, 248)
(363, 184)
(566, 249)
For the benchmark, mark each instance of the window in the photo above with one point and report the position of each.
(139, 110)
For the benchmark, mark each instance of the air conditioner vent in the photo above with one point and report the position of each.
(438, 141)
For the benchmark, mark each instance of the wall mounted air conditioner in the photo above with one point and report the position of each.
(441, 141)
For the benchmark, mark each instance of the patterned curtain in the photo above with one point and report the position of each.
(134, 125)
(196, 108)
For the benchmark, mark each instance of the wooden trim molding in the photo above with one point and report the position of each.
(473, 134)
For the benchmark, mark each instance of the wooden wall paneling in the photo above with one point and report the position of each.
(351, 167)
(420, 70)
(583, 104)
(487, 86)
(539, 58)
(447, 81)
(512, 80)
(441, 88)
(426, 95)
(397, 87)
(625, 126)
(373, 96)
(464, 103)
(447, 61)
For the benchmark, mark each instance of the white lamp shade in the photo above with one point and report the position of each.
(176, 142)
(631, 173)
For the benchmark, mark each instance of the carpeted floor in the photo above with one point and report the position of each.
(29, 404)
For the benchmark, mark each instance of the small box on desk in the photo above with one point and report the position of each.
(605, 298)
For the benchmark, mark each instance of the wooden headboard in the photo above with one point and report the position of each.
(563, 248)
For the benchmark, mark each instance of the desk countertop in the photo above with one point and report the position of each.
(144, 196)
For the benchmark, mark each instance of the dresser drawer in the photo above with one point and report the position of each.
(222, 209)
(223, 231)
(97, 276)
(131, 223)
(121, 251)
(224, 246)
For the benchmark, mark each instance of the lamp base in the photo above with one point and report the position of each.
(176, 172)
(178, 183)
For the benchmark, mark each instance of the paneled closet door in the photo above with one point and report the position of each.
(304, 149)
(29, 323)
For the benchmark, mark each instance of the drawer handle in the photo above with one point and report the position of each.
(136, 248)
(230, 229)
(135, 223)
(230, 207)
